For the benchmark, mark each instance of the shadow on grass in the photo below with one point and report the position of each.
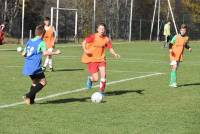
(189, 84)
(70, 70)
(121, 92)
(85, 99)
(68, 100)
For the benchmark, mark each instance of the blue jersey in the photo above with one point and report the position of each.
(33, 60)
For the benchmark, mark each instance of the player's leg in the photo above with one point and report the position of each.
(39, 82)
(34, 83)
(165, 41)
(173, 74)
(50, 64)
(94, 76)
(50, 60)
(102, 69)
(46, 63)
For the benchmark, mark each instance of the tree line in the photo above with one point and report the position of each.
(115, 13)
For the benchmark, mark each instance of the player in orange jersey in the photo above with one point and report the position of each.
(94, 56)
(49, 38)
(176, 49)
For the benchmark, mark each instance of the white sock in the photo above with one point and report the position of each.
(50, 63)
(46, 62)
(103, 79)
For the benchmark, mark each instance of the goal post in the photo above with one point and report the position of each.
(66, 9)
(157, 2)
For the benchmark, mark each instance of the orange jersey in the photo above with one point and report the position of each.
(97, 45)
(179, 43)
(49, 37)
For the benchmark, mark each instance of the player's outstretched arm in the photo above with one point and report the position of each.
(116, 55)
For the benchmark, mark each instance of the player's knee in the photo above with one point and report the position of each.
(43, 82)
(95, 79)
(174, 68)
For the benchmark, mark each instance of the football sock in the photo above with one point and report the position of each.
(34, 90)
(33, 97)
(50, 63)
(46, 62)
(173, 77)
(102, 84)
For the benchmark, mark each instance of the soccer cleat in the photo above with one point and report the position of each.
(173, 85)
(89, 83)
(27, 100)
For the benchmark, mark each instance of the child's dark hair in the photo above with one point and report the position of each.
(102, 24)
(47, 19)
(39, 31)
(184, 26)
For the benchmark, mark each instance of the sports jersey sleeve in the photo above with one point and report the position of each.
(90, 38)
(109, 44)
(173, 41)
(42, 47)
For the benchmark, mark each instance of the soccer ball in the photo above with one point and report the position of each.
(97, 97)
(19, 49)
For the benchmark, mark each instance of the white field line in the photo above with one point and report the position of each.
(123, 71)
(79, 90)
(8, 49)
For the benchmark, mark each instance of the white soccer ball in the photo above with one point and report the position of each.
(97, 97)
(19, 49)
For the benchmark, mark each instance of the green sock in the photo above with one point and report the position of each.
(173, 77)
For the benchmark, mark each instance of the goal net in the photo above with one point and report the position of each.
(65, 21)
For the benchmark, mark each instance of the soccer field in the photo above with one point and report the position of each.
(138, 100)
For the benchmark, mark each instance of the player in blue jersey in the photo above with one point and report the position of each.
(33, 52)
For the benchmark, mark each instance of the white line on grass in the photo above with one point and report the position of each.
(8, 50)
(81, 89)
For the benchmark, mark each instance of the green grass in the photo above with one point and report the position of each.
(140, 106)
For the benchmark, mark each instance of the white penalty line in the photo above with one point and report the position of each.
(81, 89)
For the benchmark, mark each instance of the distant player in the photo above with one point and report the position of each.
(33, 52)
(176, 49)
(2, 27)
(167, 33)
(49, 39)
(94, 56)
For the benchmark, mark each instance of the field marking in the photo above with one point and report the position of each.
(8, 49)
(123, 71)
(80, 89)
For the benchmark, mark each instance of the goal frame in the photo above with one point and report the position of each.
(65, 9)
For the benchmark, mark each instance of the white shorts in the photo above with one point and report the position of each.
(50, 49)
(173, 62)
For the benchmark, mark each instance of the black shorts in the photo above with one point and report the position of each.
(37, 76)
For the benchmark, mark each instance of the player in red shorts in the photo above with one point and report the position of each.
(2, 26)
(94, 56)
